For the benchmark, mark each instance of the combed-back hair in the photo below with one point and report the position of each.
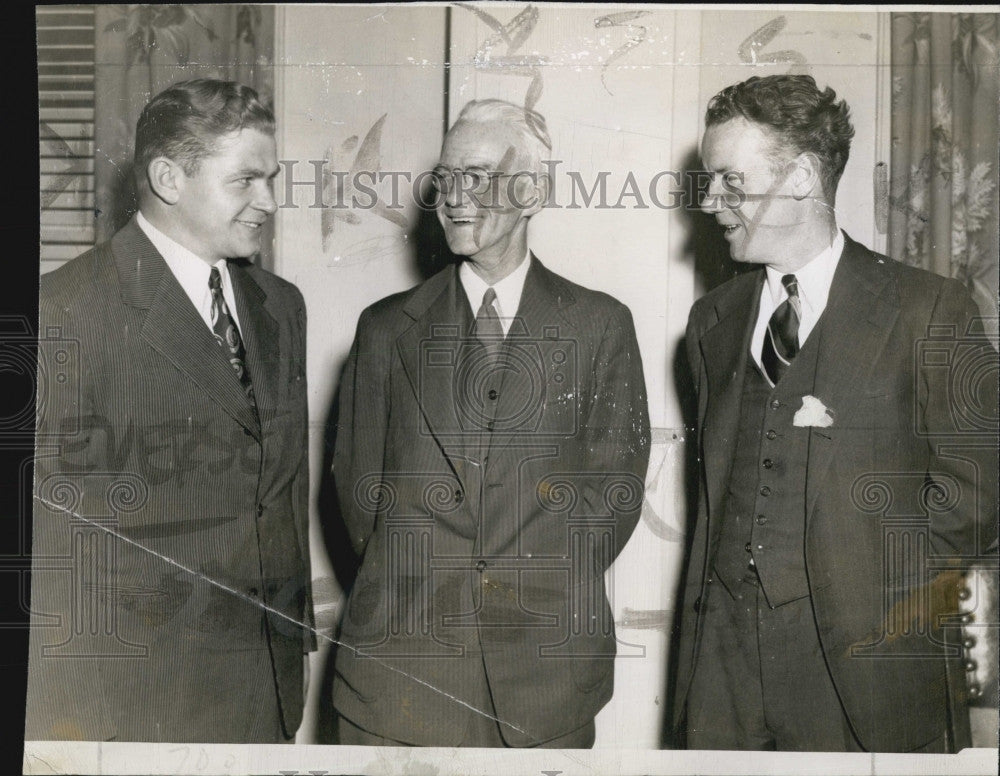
(184, 121)
(800, 117)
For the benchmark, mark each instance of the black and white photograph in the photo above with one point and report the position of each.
(511, 387)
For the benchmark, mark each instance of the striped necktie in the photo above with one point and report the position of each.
(781, 340)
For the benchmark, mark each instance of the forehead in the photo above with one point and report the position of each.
(482, 143)
(244, 148)
(736, 144)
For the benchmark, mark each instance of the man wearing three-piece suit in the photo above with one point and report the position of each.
(170, 578)
(847, 477)
(492, 442)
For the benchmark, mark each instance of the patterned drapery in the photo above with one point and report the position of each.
(144, 48)
(945, 108)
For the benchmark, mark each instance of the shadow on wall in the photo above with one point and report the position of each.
(429, 255)
(707, 249)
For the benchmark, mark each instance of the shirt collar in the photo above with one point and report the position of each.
(508, 290)
(814, 278)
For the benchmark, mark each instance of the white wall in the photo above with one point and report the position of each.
(341, 68)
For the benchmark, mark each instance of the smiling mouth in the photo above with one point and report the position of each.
(730, 228)
(250, 224)
(460, 220)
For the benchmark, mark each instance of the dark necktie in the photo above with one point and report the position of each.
(488, 328)
(226, 333)
(781, 340)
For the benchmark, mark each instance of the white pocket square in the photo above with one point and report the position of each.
(813, 413)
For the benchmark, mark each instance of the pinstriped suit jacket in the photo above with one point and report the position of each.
(170, 556)
(484, 546)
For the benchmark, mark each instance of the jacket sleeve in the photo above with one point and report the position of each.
(957, 415)
(616, 438)
(363, 416)
(65, 699)
(300, 483)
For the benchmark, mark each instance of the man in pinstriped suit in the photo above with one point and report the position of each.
(492, 442)
(170, 555)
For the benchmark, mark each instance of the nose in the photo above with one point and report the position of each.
(264, 199)
(711, 202)
(455, 193)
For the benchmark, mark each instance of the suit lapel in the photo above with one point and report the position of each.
(260, 339)
(430, 351)
(540, 316)
(859, 315)
(173, 327)
(725, 348)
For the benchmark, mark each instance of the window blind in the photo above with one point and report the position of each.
(66, 64)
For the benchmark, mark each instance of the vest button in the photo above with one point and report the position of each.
(775, 404)
(761, 519)
(747, 546)
(459, 496)
(768, 463)
(772, 434)
(481, 566)
(260, 510)
(697, 604)
(765, 491)
(493, 394)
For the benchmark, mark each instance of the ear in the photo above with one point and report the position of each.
(806, 179)
(166, 179)
(533, 192)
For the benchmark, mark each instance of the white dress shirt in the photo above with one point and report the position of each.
(814, 281)
(192, 273)
(508, 290)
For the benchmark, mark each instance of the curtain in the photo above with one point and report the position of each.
(945, 107)
(944, 218)
(141, 50)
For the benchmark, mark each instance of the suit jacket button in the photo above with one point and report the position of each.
(697, 604)
(761, 519)
(459, 496)
(771, 434)
(253, 592)
(768, 463)
(260, 510)
(493, 394)
(747, 546)
(490, 425)
(765, 491)
(481, 566)
(775, 404)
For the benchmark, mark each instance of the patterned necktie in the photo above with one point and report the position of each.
(226, 333)
(781, 340)
(488, 328)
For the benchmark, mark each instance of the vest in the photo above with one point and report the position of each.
(764, 518)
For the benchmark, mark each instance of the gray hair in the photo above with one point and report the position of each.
(530, 124)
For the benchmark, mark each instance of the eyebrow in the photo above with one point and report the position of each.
(256, 172)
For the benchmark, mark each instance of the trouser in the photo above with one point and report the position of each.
(761, 681)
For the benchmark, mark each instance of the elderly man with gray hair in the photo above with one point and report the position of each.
(492, 442)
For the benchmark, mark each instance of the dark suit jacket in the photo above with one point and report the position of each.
(912, 393)
(514, 549)
(170, 548)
